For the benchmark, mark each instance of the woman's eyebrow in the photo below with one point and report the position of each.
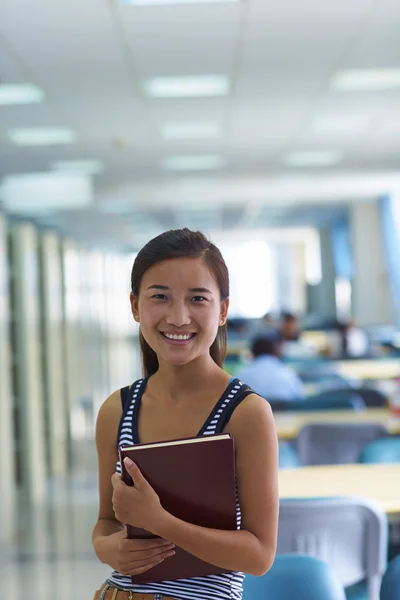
(200, 290)
(157, 286)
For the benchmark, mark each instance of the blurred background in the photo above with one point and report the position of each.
(274, 127)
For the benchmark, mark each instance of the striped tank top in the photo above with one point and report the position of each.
(225, 586)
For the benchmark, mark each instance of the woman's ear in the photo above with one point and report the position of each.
(224, 312)
(134, 306)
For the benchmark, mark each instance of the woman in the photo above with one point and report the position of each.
(180, 297)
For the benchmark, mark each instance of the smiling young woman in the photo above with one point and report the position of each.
(180, 297)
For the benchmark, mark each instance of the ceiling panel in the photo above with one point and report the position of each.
(92, 59)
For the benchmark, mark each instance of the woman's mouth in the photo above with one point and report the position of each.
(178, 338)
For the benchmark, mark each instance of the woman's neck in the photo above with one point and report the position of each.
(182, 381)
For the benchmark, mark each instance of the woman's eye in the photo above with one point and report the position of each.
(160, 296)
(199, 298)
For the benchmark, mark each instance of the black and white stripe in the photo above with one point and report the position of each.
(226, 586)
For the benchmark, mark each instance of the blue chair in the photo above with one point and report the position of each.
(288, 458)
(390, 588)
(381, 451)
(349, 533)
(295, 577)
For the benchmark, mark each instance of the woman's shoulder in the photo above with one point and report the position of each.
(252, 411)
(109, 414)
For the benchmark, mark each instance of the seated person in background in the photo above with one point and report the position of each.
(289, 327)
(266, 374)
(349, 340)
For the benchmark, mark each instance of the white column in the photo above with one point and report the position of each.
(327, 298)
(7, 464)
(53, 353)
(372, 302)
(27, 347)
(291, 279)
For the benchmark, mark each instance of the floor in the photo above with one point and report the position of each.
(51, 557)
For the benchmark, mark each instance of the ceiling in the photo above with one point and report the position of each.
(92, 60)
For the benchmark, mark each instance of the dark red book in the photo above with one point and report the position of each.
(195, 480)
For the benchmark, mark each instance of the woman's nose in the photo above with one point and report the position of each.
(178, 315)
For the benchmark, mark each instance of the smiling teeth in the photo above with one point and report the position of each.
(177, 337)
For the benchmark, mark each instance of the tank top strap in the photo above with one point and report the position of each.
(129, 395)
(234, 394)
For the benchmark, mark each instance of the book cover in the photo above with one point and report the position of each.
(195, 480)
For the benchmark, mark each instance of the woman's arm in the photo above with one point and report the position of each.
(129, 557)
(252, 549)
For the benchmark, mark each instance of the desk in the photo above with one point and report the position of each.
(378, 482)
(289, 424)
(369, 368)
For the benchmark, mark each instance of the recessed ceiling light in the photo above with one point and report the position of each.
(194, 163)
(20, 93)
(163, 2)
(340, 124)
(313, 159)
(191, 131)
(33, 193)
(42, 136)
(366, 79)
(187, 87)
(88, 167)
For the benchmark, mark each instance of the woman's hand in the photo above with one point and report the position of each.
(138, 505)
(133, 557)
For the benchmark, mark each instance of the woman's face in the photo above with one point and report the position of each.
(179, 309)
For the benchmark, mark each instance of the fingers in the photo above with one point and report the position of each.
(141, 566)
(134, 545)
(149, 555)
(116, 481)
(135, 473)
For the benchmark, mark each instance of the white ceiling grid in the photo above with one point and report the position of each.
(92, 59)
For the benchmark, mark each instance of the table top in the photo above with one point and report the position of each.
(288, 424)
(383, 368)
(378, 482)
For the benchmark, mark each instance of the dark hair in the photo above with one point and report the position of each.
(181, 243)
(265, 344)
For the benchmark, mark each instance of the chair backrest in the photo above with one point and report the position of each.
(373, 398)
(295, 577)
(313, 403)
(335, 443)
(381, 451)
(351, 534)
(390, 589)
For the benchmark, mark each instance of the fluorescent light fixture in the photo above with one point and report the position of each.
(313, 159)
(340, 124)
(34, 193)
(86, 167)
(42, 136)
(194, 163)
(169, 2)
(191, 131)
(188, 87)
(20, 93)
(366, 79)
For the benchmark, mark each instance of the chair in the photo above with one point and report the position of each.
(381, 451)
(317, 403)
(350, 533)
(390, 589)
(288, 458)
(372, 398)
(314, 403)
(294, 577)
(335, 443)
